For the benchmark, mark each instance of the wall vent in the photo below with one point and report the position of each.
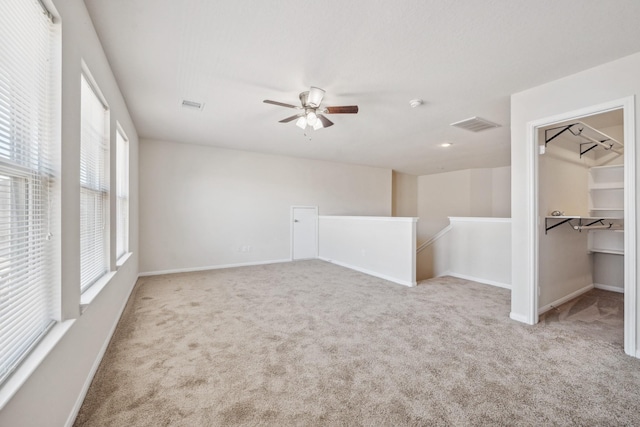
(475, 124)
(192, 105)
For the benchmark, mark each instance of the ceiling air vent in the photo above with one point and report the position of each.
(475, 124)
(192, 105)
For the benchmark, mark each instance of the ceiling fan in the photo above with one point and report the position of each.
(312, 114)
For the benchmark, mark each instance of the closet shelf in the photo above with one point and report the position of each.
(588, 138)
(583, 222)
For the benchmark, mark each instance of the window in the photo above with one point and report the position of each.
(28, 180)
(94, 187)
(122, 194)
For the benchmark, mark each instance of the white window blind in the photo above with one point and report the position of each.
(94, 187)
(27, 254)
(122, 194)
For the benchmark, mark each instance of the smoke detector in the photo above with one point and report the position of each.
(475, 124)
(416, 103)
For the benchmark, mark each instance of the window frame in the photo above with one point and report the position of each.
(30, 279)
(103, 191)
(122, 194)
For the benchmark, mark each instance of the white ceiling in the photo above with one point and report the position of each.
(464, 58)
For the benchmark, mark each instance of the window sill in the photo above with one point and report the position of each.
(120, 262)
(33, 360)
(94, 290)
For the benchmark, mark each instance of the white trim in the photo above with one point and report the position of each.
(123, 259)
(93, 84)
(211, 267)
(433, 239)
(564, 299)
(627, 104)
(477, 279)
(372, 218)
(291, 220)
(630, 225)
(533, 232)
(370, 273)
(96, 364)
(477, 219)
(94, 290)
(518, 317)
(33, 360)
(608, 288)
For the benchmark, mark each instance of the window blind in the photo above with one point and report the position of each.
(94, 187)
(122, 194)
(27, 253)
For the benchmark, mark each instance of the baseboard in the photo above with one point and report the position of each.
(518, 317)
(96, 364)
(211, 267)
(370, 272)
(608, 288)
(564, 299)
(477, 279)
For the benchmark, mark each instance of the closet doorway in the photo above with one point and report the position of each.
(585, 215)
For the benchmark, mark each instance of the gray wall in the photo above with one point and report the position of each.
(201, 205)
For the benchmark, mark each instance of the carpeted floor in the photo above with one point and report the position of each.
(311, 343)
(596, 314)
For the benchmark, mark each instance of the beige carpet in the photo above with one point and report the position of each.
(596, 314)
(311, 343)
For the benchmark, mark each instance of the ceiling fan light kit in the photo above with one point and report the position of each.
(312, 113)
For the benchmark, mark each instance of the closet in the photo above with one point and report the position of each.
(581, 208)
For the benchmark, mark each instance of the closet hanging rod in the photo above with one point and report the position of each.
(597, 227)
(602, 140)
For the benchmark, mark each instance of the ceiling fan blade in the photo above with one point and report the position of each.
(281, 104)
(288, 119)
(346, 109)
(314, 98)
(325, 122)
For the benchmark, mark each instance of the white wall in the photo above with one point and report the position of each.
(501, 192)
(202, 204)
(465, 193)
(405, 195)
(480, 250)
(51, 393)
(609, 82)
(381, 246)
(564, 261)
(440, 196)
(608, 272)
(472, 248)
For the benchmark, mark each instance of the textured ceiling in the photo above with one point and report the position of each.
(463, 58)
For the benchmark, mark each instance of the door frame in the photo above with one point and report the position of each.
(533, 223)
(315, 208)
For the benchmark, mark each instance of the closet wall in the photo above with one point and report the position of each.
(567, 267)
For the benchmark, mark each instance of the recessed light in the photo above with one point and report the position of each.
(446, 144)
